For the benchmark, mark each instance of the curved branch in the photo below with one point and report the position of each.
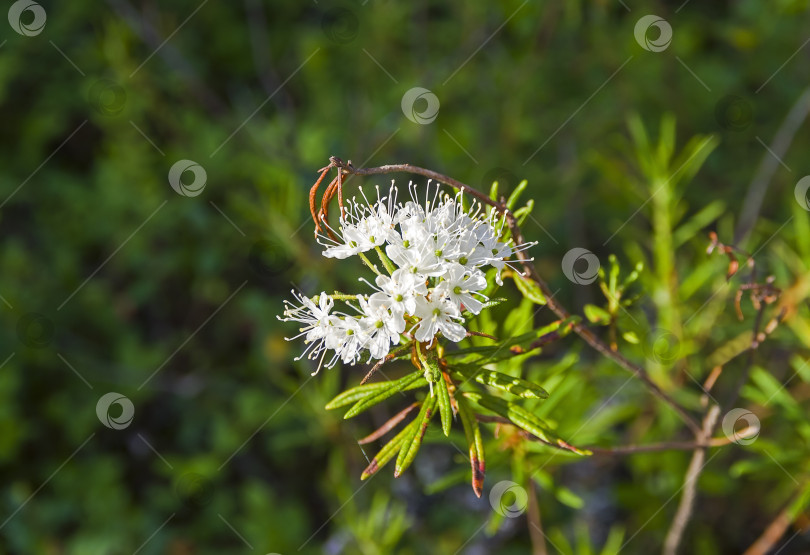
(632, 449)
(684, 512)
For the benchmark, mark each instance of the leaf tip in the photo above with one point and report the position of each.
(577, 450)
(477, 475)
(372, 467)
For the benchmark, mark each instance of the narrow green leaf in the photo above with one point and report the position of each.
(411, 381)
(529, 289)
(475, 443)
(355, 394)
(443, 399)
(568, 497)
(615, 541)
(633, 276)
(515, 196)
(615, 268)
(495, 353)
(409, 448)
(515, 386)
(524, 419)
(596, 315)
(522, 213)
(631, 337)
(696, 223)
(493, 302)
(388, 451)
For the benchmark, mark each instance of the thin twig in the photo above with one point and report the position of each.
(684, 512)
(481, 334)
(671, 445)
(632, 449)
(749, 365)
(769, 164)
(777, 528)
(389, 356)
(536, 534)
(389, 424)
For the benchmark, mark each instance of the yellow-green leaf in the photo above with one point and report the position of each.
(529, 289)
(409, 448)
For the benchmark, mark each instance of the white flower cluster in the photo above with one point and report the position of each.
(433, 252)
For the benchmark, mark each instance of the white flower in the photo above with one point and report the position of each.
(471, 253)
(348, 340)
(399, 291)
(363, 227)
(460, 284)
(316, 318)
(351, 242)
(417, 259)
(438, 250)
(499, 252)
(319, 324)
(379, 326)
(438, 314)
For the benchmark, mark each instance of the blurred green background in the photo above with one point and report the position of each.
(113, 282)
